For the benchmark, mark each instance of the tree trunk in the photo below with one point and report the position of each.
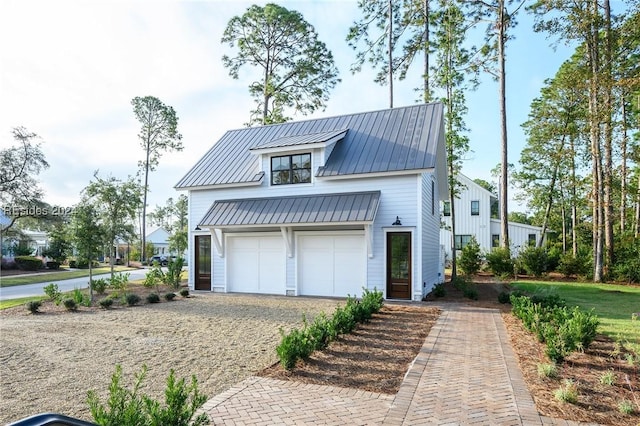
(90, 279)
(637, 232)
(427, 94)
(607, 169)
(574, 207)
(454, 257)
(623, 167)
(144, 203)
(504, 210)
(390, 58)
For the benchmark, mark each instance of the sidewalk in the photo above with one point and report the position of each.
(465, 374)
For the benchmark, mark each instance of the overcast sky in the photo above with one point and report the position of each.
(69, 69)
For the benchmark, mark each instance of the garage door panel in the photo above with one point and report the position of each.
(331, 265)
(256, 264)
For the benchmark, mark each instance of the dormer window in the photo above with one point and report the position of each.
(289, 169)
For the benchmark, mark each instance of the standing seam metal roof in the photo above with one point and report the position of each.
(389, 140)
(326, 208)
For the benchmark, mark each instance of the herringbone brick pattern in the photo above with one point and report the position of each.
(465, 374)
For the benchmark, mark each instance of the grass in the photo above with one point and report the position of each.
(5, 304)
(613, 304)
(56, 276)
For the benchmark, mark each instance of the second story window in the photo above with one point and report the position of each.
(446, 209)
(475, 208)
(288, 169)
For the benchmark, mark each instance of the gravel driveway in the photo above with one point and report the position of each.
(49, 361)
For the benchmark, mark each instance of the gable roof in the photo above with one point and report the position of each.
(391, 140)
(355, 207)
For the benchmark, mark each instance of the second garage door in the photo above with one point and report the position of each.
(256, 264)
(331, 265)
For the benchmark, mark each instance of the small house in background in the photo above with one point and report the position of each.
(476, 211)
(322, 207)
(159, 237)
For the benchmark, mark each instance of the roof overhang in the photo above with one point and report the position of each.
(356, 208)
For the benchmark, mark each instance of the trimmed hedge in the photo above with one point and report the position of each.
(28, 263)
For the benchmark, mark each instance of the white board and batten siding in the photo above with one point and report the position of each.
(432, 272)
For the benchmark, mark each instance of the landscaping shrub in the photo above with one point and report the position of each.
(627, 263)
(184, 292)
(84, 264)
(28, 263)
(153, 298)
(73, 264)
(33, 306)
(80, 298)
(53, 293)
(470, 258)
(7, 265)
(499, 262)
(570, 265)
(132, 299)
(170, 296)
(70, 304)
(504, 297)
(130, 407)
(533, 260)
(53, 265)
(459, 283)
(301, 343)
(99, 285)
(567, 393)
(439, 290)
(470, 291)
(119, 281)
(626, 407)
(106, 303)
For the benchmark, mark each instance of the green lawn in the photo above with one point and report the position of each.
(55, 276)
(4, 304)
(614, 304)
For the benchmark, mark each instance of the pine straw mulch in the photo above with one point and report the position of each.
(376, 357)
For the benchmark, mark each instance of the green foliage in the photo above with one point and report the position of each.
(99, 285)
(172, 277)
(548, 370)
(570, 265)
(53, 293)
(119, 282)
(439, 290)
(300, 343)
(499, 262)
(504, 297)
(470, 292)
(80, 298)
(86, 232)
(170, 296)
(567, 392)
(153, 298)
(470, 258)
(184, 292)
(33, 306)
(533, 260)
(132, 408)
(28, 263)
(106, 303)
(297, 70)
(70, 304)
(563, 330)
(132, 299)
(626, 407)
(608, 378)
(59, 244)
(627, 264)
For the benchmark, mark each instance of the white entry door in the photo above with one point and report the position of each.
(331, 264)
(256, 264)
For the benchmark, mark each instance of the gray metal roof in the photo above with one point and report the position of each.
(299, 140)
(295, 210)
(389, 140)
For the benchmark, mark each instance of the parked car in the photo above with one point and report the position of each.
(162, 259)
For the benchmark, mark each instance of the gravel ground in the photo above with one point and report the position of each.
(49, 361)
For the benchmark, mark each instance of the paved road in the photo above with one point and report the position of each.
(29, 290)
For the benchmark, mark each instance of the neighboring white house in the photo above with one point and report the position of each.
(473, 218)
(321, 207)
(159, 237)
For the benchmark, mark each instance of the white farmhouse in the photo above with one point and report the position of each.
(473, 210)
(321, 207)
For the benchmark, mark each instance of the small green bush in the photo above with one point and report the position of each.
(28, 263)
(99, 285)
(470, 258)
(153, 298)
(53, 293)
(470, 292)
(570, 265)
(53, 265)
(499, 262)
(626, 407)
(170, 296)
(439, 290)
(504, 297)
(106, 303)
(70, 304)
(296, 344)
(548, 370)
(608, 378)
(33, 306)
(73, 264)
(567, 393)
(132, 299)
(80, 298)
(130, 407)
(119, 281)
(184, 292)
(459, 283)
(533, 260)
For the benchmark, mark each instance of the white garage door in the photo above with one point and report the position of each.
(256, 264)
(331, 265)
